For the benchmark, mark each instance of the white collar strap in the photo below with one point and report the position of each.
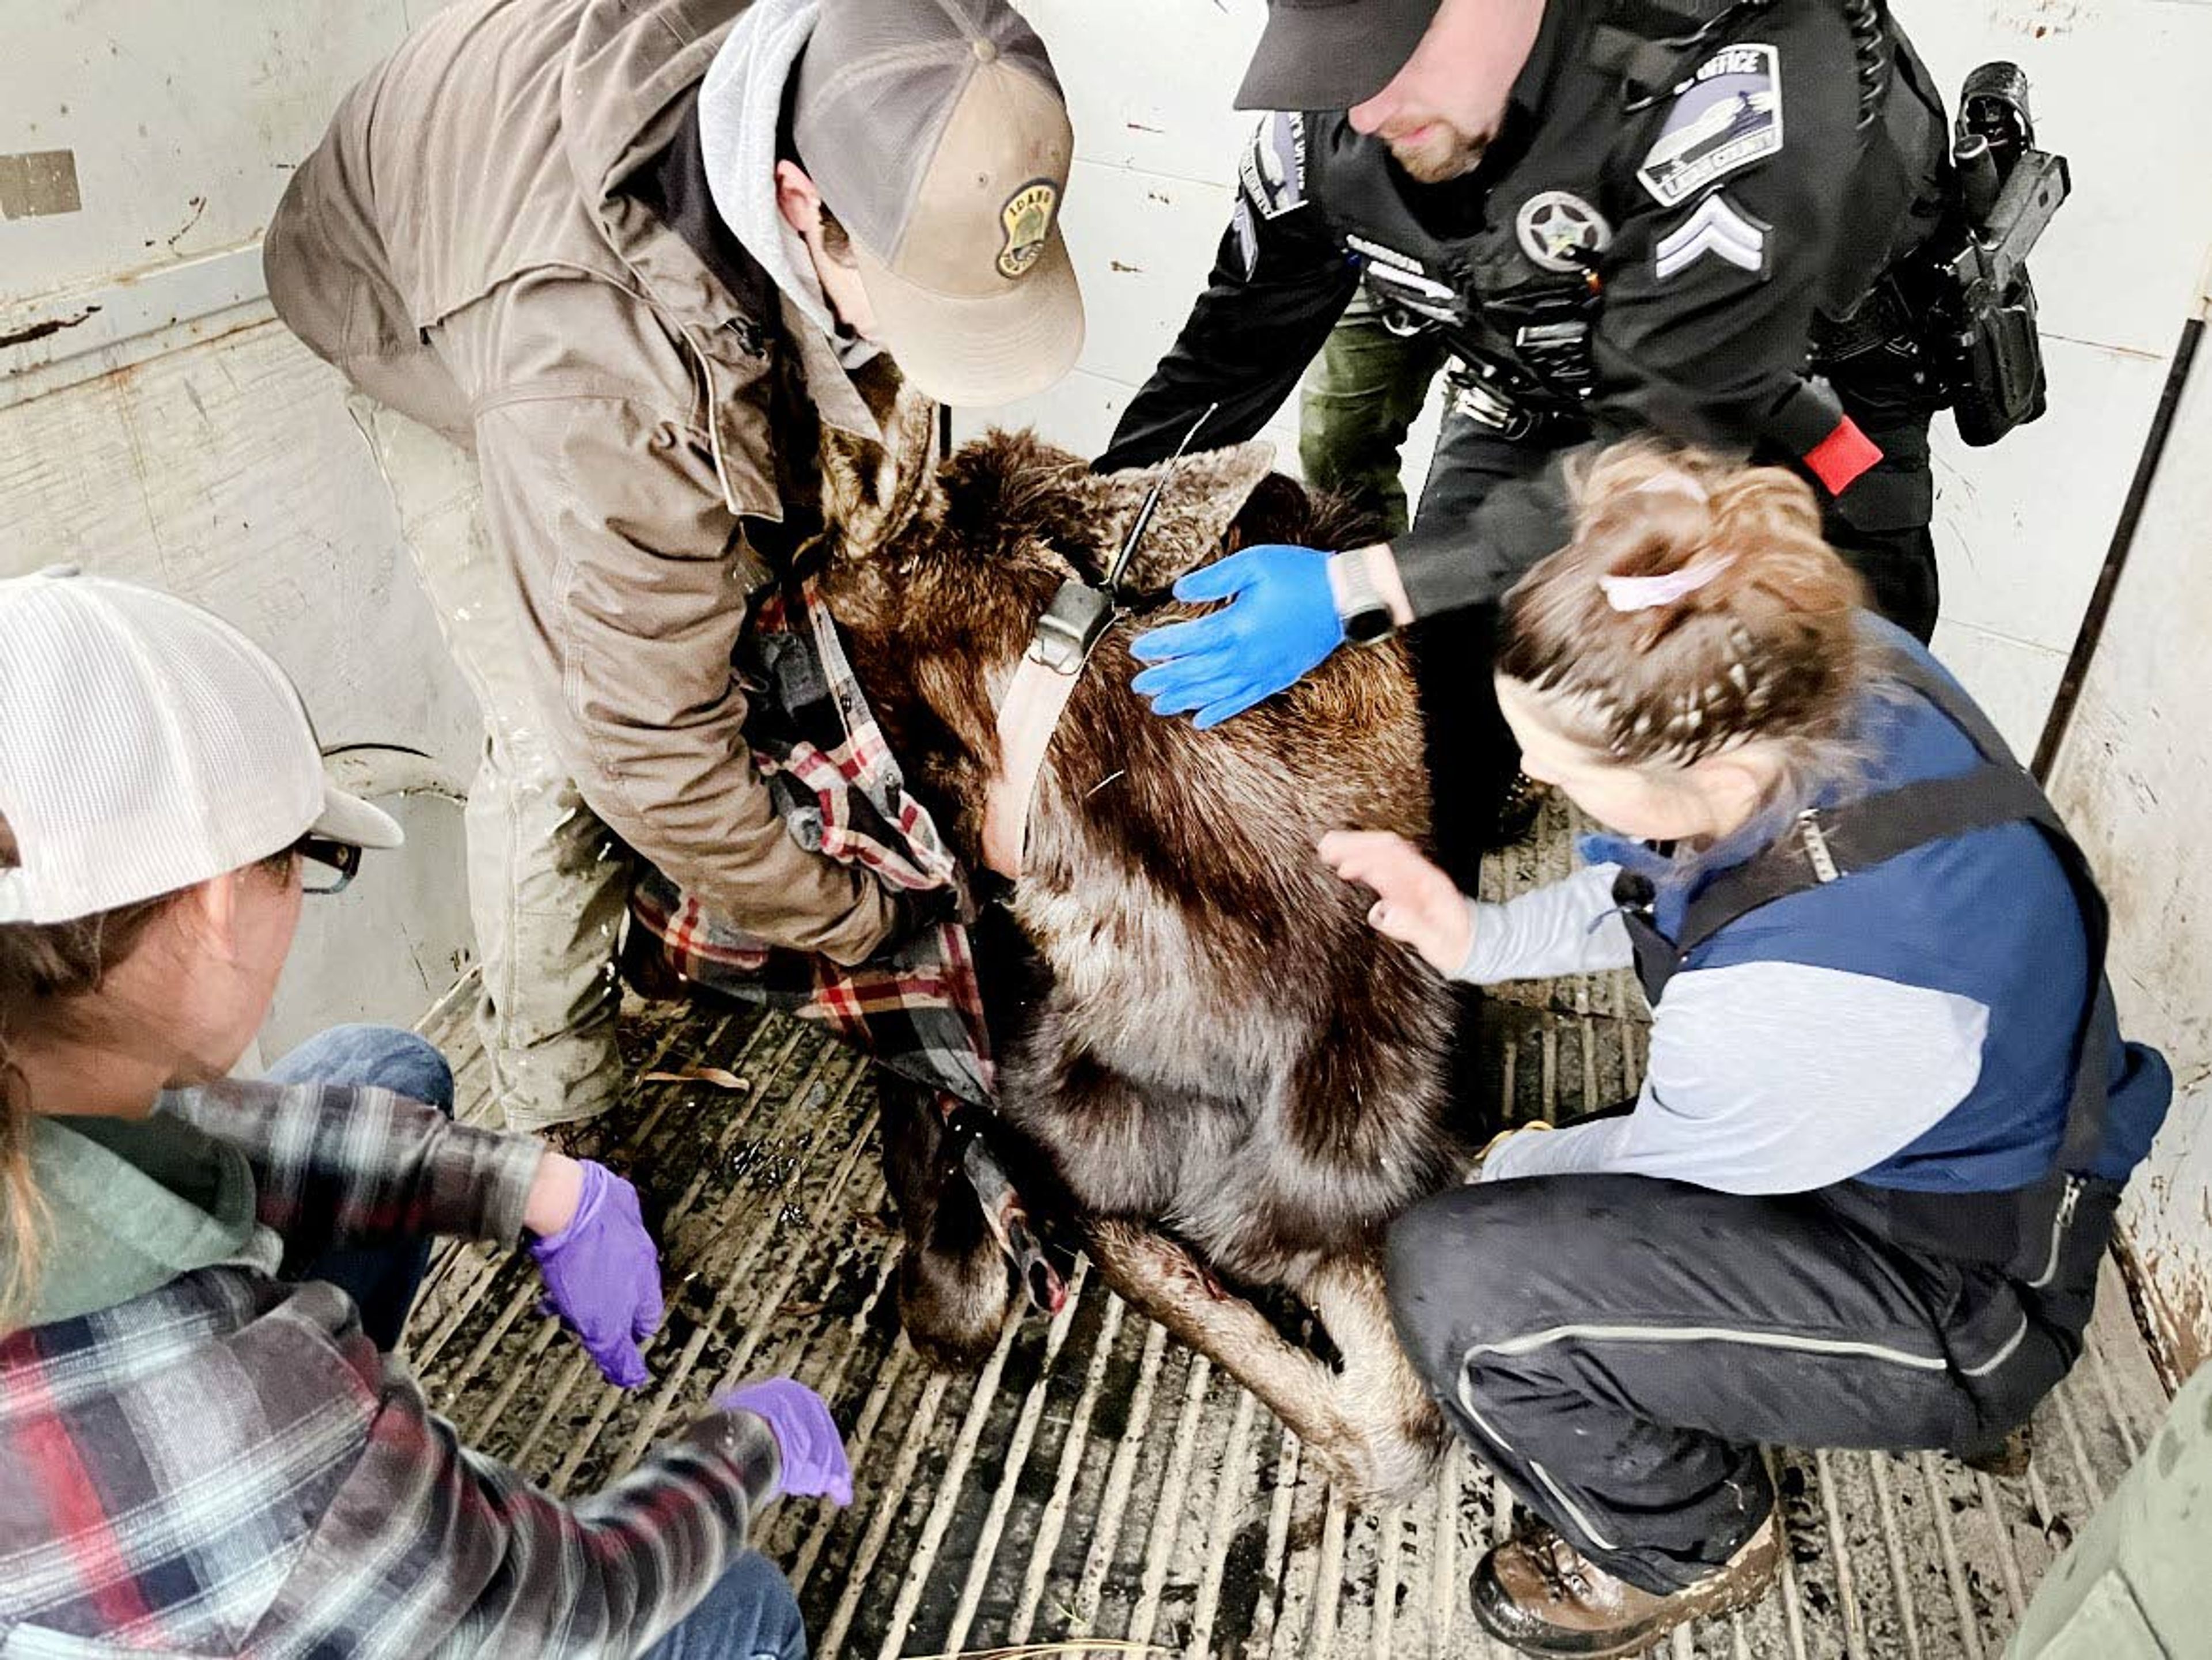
(1029, 715)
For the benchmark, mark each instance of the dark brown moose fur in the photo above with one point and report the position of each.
(1222, 1050)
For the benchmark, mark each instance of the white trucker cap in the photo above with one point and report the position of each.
(146, 746)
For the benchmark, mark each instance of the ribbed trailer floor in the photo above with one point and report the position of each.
(1096, 1481)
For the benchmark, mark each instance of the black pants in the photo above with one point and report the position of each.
(1472, 759)
(1617, 1348)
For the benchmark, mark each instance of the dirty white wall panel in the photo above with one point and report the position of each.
(2020, 529)
(184, 121)
(2135, 781)
(230, 473)
(176, 435)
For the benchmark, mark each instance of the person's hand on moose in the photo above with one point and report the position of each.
(813, 1452)
(601, 1269)
(1280, 623)
(1416, 903)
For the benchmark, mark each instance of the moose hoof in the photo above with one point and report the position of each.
(1377, 1470)
(953, 1307)
(1377, 1464)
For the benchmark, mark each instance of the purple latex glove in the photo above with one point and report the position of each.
(814, 1463)
(602, 1276)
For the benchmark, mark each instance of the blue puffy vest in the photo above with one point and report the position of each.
(1989, 914)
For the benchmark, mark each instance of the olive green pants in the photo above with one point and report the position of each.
(1363, 394)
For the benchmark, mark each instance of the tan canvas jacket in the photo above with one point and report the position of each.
(461, 247)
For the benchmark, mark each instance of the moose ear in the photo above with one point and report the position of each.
(870, 490)
(1205, 493)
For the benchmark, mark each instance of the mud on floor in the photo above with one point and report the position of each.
(1095, 1481)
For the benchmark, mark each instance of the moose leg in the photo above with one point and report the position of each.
(1164, 1280)
(952, 1291)
(1380, 1397)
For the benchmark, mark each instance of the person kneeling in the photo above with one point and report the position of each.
(1861, 1198)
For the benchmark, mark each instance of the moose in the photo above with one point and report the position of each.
(1232, 1080)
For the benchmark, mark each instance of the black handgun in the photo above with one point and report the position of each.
(2009, 190)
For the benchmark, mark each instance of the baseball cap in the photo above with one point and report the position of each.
(937, 133)
(146, 746)
(1331, 54)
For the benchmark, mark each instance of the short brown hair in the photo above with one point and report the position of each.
(836, 240)
(1767, 646)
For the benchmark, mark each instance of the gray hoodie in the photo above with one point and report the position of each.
(740, 102)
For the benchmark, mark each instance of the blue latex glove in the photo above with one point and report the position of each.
(602, 1276)
(1280, 623)
(813, 1452)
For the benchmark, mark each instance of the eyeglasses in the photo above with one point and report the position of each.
(325, 867)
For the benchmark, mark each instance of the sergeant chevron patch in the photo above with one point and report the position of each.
(1716, 227)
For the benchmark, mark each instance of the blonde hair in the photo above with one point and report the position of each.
(44, 967)
(1696, 608)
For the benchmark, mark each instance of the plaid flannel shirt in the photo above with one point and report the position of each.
(223, 1464)
(917, 1006)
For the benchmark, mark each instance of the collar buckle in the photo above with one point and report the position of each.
(1070, 627)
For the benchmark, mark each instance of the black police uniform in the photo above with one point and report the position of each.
(1683, 216)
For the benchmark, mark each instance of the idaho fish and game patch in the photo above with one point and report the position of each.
(1026, 218)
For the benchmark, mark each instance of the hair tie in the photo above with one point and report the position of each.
(1628, 593)
(1675, 483)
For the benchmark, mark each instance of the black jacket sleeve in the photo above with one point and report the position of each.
(1707, 315)
(1280, 281)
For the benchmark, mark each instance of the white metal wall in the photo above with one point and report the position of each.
(2135, 778)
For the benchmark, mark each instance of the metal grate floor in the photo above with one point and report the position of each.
(1097, 1481)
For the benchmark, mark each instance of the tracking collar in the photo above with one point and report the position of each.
(1035, 699)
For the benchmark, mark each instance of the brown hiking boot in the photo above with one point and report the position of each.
(2008, 1458)
(1543, 1596)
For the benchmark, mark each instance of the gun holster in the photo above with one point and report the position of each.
(1997, 367)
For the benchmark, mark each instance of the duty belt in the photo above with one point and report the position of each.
(1523, 385)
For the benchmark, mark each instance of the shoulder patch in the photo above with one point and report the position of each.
(1728, 116)
(1273, 171)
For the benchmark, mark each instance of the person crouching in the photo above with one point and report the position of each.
(206, 1446)
(1863, 1195)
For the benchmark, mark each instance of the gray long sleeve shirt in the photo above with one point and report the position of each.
(1765, 1077)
